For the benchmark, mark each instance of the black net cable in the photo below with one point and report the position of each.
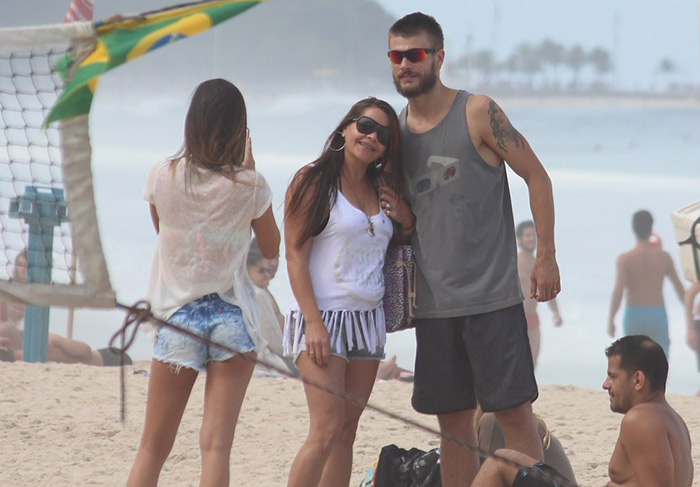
(140, 313)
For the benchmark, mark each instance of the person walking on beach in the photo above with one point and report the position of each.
(654, 446)
(471, 331)
(204, 201)
(341, 212)
(527, 243)
(640, 274)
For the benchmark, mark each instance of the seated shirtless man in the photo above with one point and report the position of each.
(653, 448)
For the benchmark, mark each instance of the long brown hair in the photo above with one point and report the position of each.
(215, 129)
(321, 178)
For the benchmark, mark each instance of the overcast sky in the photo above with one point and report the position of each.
(638, 33)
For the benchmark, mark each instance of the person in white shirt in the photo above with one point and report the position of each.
(341, 212)
(204, 202)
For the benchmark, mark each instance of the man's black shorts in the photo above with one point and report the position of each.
(485, 356)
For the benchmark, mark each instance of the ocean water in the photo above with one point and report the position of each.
(606, 159)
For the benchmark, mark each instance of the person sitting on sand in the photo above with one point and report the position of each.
(60, 349)
(490, 439)
(261, 271)
(388, 370)
(653, 448)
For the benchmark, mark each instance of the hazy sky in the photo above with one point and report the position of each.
(645, 31)
(638, 33)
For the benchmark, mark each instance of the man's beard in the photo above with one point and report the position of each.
(425, 85)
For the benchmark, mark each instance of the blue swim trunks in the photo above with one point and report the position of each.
(209, 317)
(650, 321)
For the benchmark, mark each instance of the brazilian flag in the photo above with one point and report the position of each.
(120, 40)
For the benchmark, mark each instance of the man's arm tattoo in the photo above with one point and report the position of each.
(502, 129)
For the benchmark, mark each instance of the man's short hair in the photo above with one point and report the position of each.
(522, 226)
(416, 23)
(639, 352)
(642, 222)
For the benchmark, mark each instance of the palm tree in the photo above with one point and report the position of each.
(575, 59)
(551, 54)
(602, 64)
(525, 60)
(666, 67)
(485, 62)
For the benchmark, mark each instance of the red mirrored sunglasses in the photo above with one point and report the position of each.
(413, 55)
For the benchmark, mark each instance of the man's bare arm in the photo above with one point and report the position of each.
(616, 298)
(499, 135)
(673, 276)
(556, 317)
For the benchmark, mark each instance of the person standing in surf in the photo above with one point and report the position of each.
(341, 212)
(204, 201)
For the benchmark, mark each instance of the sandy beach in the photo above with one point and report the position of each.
(60, 426)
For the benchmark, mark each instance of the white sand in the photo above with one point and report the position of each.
(59, 426)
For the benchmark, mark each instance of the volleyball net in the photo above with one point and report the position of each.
(50, 248)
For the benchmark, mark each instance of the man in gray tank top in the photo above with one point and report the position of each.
(471, 333)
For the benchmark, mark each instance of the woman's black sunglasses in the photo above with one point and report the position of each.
(366, 126)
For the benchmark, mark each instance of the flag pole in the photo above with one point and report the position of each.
(79, 10)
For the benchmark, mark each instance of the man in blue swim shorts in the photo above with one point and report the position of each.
(640, 275)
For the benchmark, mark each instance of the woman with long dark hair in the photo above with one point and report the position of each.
(204, 202)
(341, 212)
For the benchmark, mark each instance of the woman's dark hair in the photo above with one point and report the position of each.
(318, 183)
(254, 254)
(215, 129)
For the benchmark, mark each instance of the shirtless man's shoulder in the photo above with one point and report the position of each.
(654, 443)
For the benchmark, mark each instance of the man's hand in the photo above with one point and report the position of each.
(611, 329)
(544, 280)
(556, 319)
(691, 337)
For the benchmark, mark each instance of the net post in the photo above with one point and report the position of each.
(42, 209)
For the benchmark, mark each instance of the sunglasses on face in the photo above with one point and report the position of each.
(366, 126)
(413, 55)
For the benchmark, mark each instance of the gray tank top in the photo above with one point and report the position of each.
(465, 236)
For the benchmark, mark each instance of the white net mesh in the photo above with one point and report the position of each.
(31, 182)
(45, 178)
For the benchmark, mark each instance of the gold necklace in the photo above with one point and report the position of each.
(370, 223)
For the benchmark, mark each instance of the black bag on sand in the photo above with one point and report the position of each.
(397, 467)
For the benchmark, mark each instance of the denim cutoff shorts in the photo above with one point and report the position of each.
(209, 317)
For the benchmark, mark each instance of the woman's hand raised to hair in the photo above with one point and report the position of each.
(248, 161)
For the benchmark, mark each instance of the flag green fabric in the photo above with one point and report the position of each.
(121, 40)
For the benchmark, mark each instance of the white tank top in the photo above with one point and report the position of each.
(345, 261)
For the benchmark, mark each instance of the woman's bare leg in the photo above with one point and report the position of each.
(326, 413)
(225, 389)
(359, 381)
(168, 393)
